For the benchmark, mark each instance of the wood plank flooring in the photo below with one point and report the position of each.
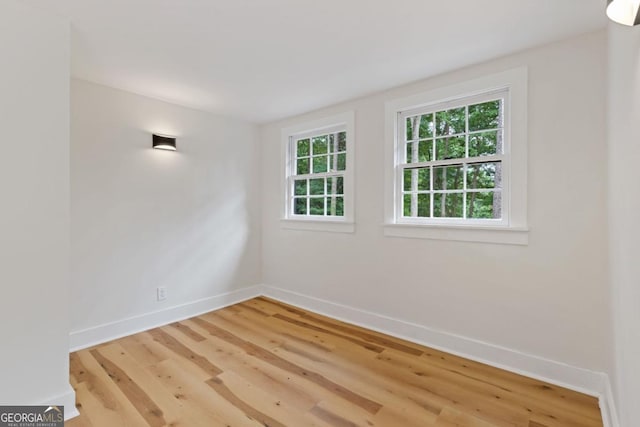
(264, 363)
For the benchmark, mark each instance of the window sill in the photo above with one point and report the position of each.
(318, 225)
(460, 233)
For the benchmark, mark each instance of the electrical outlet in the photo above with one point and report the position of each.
(162, 294)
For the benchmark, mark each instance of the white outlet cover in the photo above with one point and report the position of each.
(162, 294)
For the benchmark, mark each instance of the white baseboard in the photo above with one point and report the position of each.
(561, 374)
(608, 407)
(66, 399)
(129, 326)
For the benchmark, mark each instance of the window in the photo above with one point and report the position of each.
(458, 162)
(318, 180)
(451, 161)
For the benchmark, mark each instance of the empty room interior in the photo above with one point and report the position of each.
(320, 213)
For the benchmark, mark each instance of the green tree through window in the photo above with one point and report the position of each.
(318, 182)
(452, 164)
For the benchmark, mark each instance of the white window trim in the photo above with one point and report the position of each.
(512, 231)
(316, 223)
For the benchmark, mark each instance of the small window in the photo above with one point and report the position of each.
(318, 179)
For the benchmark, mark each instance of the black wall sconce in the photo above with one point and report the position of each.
(162, 142)
(625, 12)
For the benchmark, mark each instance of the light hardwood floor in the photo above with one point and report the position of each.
(264, 363)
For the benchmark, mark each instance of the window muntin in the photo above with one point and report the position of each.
(451, 162)
(317, 180)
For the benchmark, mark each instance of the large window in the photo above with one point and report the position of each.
(456, 162)
(318, 179)
(451, 160)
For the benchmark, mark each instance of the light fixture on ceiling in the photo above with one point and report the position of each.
(163, 142)
(625, 12)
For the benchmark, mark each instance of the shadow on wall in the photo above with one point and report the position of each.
(202, 241)
(146, 218)
(209, 249)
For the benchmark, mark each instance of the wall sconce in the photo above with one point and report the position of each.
(162, 142)
(625, 12)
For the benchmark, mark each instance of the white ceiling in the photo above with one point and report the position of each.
(268, 59)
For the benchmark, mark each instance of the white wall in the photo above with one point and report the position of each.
(34, 207)
(624, 209)
(549, 298)
(142, 218)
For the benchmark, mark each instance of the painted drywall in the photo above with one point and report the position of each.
(548, 299)
(624, 205)
(142, 218)
(34, 213)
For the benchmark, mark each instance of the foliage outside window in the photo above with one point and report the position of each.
(451, 162)
(318, 184)
(317, 180)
